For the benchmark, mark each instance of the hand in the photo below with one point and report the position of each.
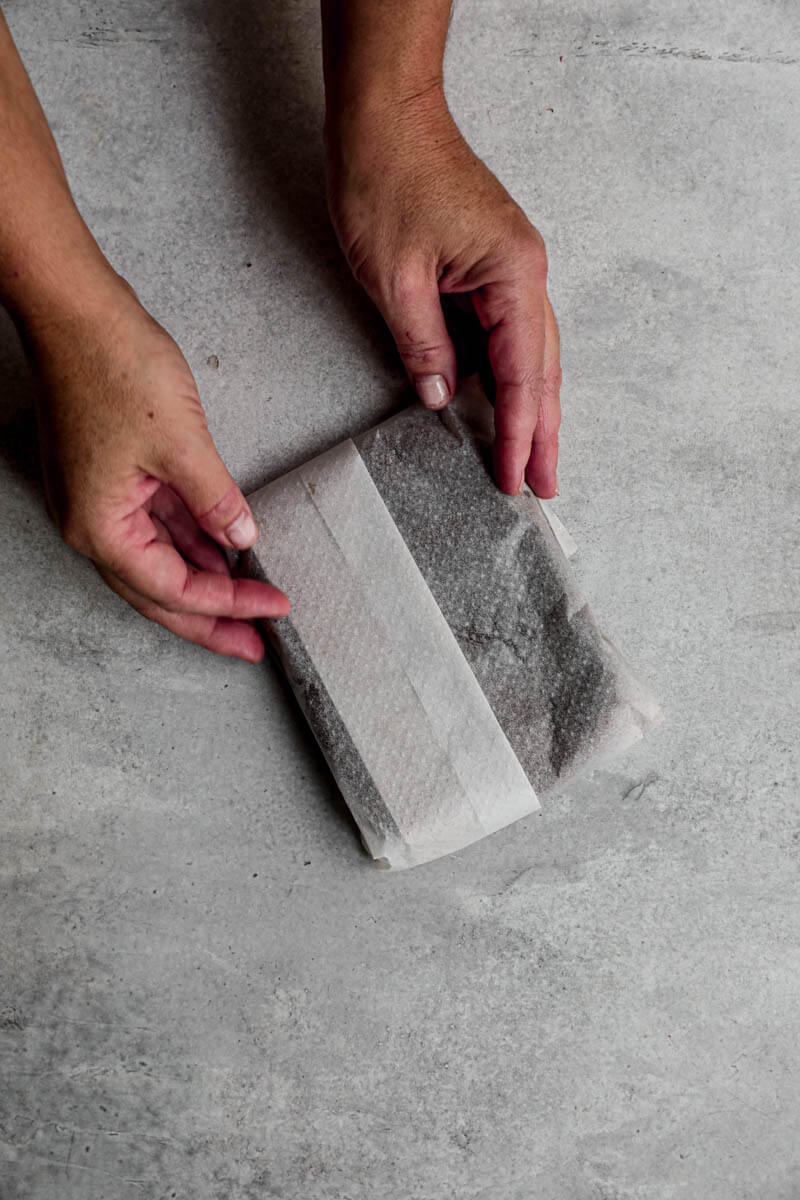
(133, 478)
(418, 215)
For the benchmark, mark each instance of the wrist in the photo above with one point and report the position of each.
(53, 271)
(380, 117)
(383, 62)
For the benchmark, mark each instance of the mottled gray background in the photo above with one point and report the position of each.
(207, 991)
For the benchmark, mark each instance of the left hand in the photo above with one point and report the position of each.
(418, 215)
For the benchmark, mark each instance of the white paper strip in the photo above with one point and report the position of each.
(425, 732)
(562, 535)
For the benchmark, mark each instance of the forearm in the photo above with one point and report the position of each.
(46, 251)
(380, 55)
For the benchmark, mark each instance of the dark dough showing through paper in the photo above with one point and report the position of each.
(333, 736)
(497, 577)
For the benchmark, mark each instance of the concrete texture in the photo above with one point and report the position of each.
(207, 991)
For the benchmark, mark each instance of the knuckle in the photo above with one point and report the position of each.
(180, 442)
(537, 261)
(532, 254)
(418, 353)
(525, 382)
(170, 596)
(173, 590)
(225, 510)
(178, 451)
(552, 422)
(551, 384)
(547, 428)
(404, 285)
(516, 424)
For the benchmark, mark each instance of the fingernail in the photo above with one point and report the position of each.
(433, 390)
(521, 484)
(243, 532)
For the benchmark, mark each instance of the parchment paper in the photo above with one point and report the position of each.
(437, 642)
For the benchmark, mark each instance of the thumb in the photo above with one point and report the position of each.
(413, 312)
(203, 482)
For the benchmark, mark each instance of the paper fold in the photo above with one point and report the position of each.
(374, 635)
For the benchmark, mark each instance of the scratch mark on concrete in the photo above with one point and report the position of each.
(108, 1024)
(99, 36)
(90, 1172)
(650, 50)
(554, 871)
(516, 878)
(768, 622)
(69, 1152)
(697, 54)
(637, 789)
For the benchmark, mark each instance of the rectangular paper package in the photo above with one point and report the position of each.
(437, 642)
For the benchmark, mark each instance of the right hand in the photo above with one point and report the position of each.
(419, 216)
(134, 480)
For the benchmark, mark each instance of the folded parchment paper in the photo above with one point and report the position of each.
(437, 643)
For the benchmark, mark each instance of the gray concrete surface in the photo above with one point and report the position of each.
(206, 989)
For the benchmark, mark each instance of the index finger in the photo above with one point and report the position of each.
(543, 463)
(156, 570)
(239, 639)
(516, 324)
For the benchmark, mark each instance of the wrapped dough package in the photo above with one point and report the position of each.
(437, 642)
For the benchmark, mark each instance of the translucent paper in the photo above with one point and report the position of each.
(437, 642)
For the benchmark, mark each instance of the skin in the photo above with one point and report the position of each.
(419, 215)
(133, 479)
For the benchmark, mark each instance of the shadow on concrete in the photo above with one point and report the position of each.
(321, 773)
(264, 67)
(267, 73)
(19, 441)
(265, 70)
